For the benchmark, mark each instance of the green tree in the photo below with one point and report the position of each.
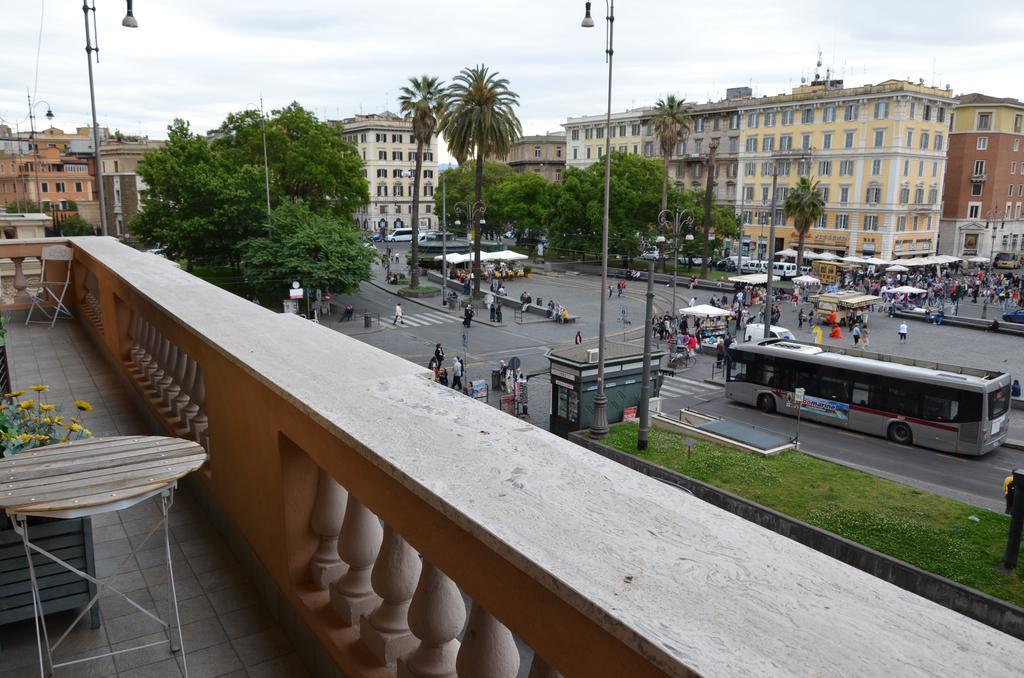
(76, 225)
(424, 100)
(671, 122)
(577, 206)
(459, 185)
(521, 202)
(319, 250)
(309, 160)
(805, 205)
(480, 119)
(200, 207)
(24, 207)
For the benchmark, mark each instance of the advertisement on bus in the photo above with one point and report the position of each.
(826, 408)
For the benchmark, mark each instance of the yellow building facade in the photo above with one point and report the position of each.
(878, 151)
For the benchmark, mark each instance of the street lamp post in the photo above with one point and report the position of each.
(644, 411)
(266, 164)
(771, 254)
(129, 21)
(677, 224)
(35, 144)
(599, 422)
(444, 240)
(473, 210)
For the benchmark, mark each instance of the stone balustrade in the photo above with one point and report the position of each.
(378, 503)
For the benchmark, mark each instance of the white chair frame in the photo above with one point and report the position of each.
(46, 296)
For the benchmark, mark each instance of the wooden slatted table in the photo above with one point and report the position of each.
(90, 477)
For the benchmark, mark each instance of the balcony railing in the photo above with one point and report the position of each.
(371, 496)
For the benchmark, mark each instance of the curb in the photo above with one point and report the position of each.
(430, 306)
(1013, 444)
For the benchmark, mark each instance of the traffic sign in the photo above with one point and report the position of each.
(514, 363)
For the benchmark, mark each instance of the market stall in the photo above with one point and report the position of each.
(710, 324)
(838, 307)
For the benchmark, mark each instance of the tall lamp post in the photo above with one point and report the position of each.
(266, 165)
(35, 144)
(677, 224)
(644, 410)
(129, 21)
(599, 421)
(444, 239)
(473, 210)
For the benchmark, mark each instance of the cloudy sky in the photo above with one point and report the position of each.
(200, 60)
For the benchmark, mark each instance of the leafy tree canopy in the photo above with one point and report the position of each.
(76, 225)
(521, 202)
(199, 206)
(459, 188)
(319, 250)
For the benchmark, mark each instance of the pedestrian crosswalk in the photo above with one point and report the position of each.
(427, 318)
(678, 387)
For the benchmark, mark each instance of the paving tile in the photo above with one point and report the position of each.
(107, 533)
(287, 666)
(116, 547)
(131, 626)
(202, 634)
(233, 598)
(113, 606)
(144, 656)
(151, 557)
(246, 621)
(259, 647)
(195, 609)
(215, 580)
(168, 668)
(212, 661)
(185, 586)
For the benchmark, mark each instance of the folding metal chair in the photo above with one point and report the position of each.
(52, 289)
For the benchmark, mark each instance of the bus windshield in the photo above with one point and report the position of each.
(998, 402)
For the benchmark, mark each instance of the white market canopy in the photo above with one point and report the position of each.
(824, 256)
(875, 261)
(979, 260)
(750, 279)
(853, 260)
(897, 268)
(705, 311)
(945, 258)
(806, 280)
(455, 258)
(907, 289)
(502, 255)
(786, 253)
(914, 261)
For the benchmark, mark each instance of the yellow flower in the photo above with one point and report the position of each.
(76, 420)
(48, 421)
(83, 405)
(24, 438)
(64, 439)
(47, 408)
(39, 388)
(26, 404)
(14, 394)
(58, 419)
(88, 433)
(75, 427)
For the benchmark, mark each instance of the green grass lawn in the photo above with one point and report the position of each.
(932, 532)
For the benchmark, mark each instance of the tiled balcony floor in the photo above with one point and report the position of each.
(227, 629)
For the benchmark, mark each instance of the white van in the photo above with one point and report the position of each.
(751, 266)
(784, 269)
(401, 235)
(755, 332)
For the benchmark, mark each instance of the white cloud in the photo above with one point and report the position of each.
(200, 60)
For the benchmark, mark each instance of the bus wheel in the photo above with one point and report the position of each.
(901, 433)
(766, 403)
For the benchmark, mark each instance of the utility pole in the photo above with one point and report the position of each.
(645, 386)
(713, 147)
(444, 239)
(771, 254)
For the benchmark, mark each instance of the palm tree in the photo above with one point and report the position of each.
(424, 100)
(671, 121)
(479, 120)
(806, 205)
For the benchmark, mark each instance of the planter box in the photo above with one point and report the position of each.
(71, 541)
(420, 295)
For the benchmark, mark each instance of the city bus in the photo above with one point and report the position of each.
(1006, 260)
(911, 402)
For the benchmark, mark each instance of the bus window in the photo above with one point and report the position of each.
(940, 407)
(903, 398)
(832, 384)
(970, 406)
(998, 402)
(737, 371)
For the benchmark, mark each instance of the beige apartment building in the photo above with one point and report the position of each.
(388, 149)
(878, 151)
(542, 154)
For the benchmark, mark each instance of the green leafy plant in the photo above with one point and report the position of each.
(27, 423)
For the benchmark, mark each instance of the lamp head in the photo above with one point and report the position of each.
(457, 222)
(129, 19)
(483, 221)
(49, 113)
(587, 22)
(660, 239)
(689, 237)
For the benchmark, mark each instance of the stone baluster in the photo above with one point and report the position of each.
(188, 384)
(135, 334)
(198, 424)
(20, 284)
(146, 354)
(163, 384)
(386, 631)
(358, 545)
(541, 669)
(176, 363)
(488, 648)
(328, 513)
(436, 616)
(155, 370)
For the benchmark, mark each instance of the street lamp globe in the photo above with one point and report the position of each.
(129, 19)
(588, 21)
(689, 237)
(49, 113)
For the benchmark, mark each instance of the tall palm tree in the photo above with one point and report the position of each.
(480, 120)
(423, 99)
(671, 121)
(805, 205)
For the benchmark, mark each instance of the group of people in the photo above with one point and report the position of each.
(441, 372)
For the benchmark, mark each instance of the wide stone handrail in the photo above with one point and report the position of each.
(600, 570)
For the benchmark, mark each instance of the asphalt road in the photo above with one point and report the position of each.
(977, 481)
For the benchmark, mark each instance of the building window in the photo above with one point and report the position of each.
(830, 114)
(974, 210)
(927, 112)
(398, 192)
(748, 194)
(842, 221)
(844, 194)
(787, 117)
(588, 152)
(850, 112)
(901, 224)
(871, 222)
(752, 120)
(910, 138)
(846, 168)
(768, 144)
(382, 174)
(381, 138)
(825, 168)
(734, 121)
(982, 144)
(1009, 193)
(749, 169)
(78, 187)
(976, 189)
(536, 151)
(769, 119)
(1018, 121)
(786, 142)
(805, 142)
(1016, 145)
(984, 121)
(59, 187)
(635, 129)
(575, 153)
(919, 195)
(826, 141)
(933, 195)
(1013, 168)
(979, 167)
(807, 116)
(938, 142)
(734, 144)
(698, 124)
(913, 110)
(574, 135)
(600, 132)
(382, 155)
(942, 114)
(874, 195)
(879, 138)
(44, 187)
(876, 168)
(600, 151)
(558, 175)
(588, 133)
(648, 148)
(905, 195)
(881, 110)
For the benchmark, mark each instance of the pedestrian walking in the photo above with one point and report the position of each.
(398, 315)
(800, 317)
(856, 334)
(865, 336)
(579, 338)
(1009, 489)
(720, 352)
(439, 354)
(903, 333)
(457, 374)
(609, 291)
(467, 317)
(497, 313)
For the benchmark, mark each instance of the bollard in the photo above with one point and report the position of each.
(1016, 521)
(367, 320)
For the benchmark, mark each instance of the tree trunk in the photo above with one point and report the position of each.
(475, 220)
(802, 235)
(707, 212)
(664, 191)
(414, 258)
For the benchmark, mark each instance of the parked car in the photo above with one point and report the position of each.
(651, 255)
(750, 266)
(726, 265)
(755, 332)
(1014, 316)
(690, 261)
(377, 237)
